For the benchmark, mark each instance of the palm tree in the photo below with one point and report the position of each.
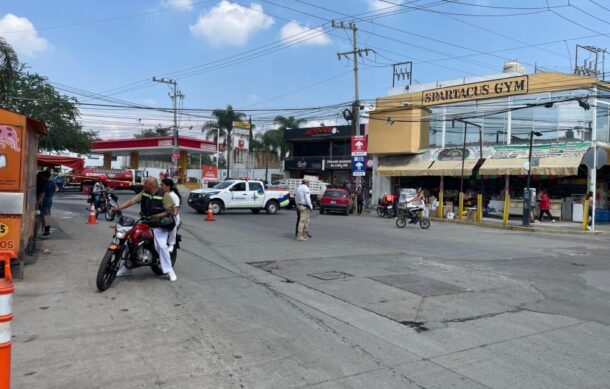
(224, 125)
(9, 66)
(286, 123)
(267, 144)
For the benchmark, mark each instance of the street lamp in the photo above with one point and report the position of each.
(527, 199)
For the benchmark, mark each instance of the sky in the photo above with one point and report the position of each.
(270, 57)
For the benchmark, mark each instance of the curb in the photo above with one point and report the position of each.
(520, 228)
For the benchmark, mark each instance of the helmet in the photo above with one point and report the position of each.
(103, 179)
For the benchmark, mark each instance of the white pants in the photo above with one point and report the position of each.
(161, 247)
(172, 234)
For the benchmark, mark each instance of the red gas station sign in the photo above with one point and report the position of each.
(209, 173)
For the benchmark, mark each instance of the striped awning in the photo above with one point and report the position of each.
(452, 168)
(552, 166)
(408, 169)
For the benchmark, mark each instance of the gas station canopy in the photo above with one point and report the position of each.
(155, 143)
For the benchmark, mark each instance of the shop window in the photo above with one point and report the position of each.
(342, 147)
(311, 149)
(603, 120)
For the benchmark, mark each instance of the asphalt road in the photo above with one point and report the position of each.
(361, 305)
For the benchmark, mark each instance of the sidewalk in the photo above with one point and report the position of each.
(560, 227)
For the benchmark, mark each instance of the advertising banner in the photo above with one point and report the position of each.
(209, 173)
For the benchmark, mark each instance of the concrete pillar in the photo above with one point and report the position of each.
(107, 160)
(183, 165)
(134, 160)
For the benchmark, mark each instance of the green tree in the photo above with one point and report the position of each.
(224, 125)
(32, 95)
(268, 144)
(9, 66)
(152, 132)
(286, 123)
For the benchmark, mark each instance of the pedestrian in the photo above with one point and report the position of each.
(154, 204)
(396, 196)
(168, 186)
(304, 208)
(589, 198)
(47, 202)
(360, 199)
(545, 206)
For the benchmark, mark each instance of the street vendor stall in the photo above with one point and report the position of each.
(18, 148)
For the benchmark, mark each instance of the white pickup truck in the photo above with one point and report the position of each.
(238, 194)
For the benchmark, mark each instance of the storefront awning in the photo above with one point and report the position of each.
(452, 168)
(553, 166)
(409, 169)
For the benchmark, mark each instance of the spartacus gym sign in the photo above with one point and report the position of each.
(479, 90)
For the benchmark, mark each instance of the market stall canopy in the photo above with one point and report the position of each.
(452, 168)
(552, 166)
(45, 160)
(409, 169)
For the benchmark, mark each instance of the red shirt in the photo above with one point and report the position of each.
(545, 202)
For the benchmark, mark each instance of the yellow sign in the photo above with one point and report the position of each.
(479, 90)
(3, 229)
(244, 125)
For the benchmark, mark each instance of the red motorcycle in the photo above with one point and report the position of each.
(133, 244)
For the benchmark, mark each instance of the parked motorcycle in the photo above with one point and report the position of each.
(385, 208)
(403, 215)
(133, 244)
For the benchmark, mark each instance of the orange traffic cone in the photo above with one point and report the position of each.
(6, 315)
(210, 215)
(92, 218)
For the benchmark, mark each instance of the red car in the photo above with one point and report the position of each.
(336, 200)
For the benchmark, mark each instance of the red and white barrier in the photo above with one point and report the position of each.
(6, 315)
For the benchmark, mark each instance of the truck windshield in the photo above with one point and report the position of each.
(224, 185)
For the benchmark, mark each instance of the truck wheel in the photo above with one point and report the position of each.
(271, 208)
(255, 211)
(216, 207)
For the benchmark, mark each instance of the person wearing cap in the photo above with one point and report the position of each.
(304, 208)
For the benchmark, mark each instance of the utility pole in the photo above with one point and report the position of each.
(174, 96)
(355, 53)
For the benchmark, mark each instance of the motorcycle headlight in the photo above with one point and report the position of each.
(121, 232)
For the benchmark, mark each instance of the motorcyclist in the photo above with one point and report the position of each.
(414, 205)
(98, 190)
(154, 204)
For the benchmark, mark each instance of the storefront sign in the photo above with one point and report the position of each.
(207, 147)
(338, 164)
(320, 132)
(480, 90)
(358, 166)
(303, 164)
(358, 146)
(11, 142)
(209, 173)
(541, 151)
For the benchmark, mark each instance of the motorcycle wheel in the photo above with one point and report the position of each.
(424, 224)
(157, 268)
(109, 215)
(401, 222)
(107, 270)
(380, 212)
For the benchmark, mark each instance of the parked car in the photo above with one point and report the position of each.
(238, 194)
(336, 200)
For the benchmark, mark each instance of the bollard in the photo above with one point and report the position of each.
(460, 205)
(506, 209)
(6, 315)
(585, 214)
(479, 208)
(439, 210)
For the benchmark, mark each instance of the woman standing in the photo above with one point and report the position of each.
(168, 186)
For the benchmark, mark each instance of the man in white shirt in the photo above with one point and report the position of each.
(304, 207)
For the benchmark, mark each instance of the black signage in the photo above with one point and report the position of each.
(320, 132)
(303, 164)
(338, 164)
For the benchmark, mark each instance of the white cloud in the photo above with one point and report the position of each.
(180, 5)
(311, 36)
(376, 5)
(20, 33)
(231, 24)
